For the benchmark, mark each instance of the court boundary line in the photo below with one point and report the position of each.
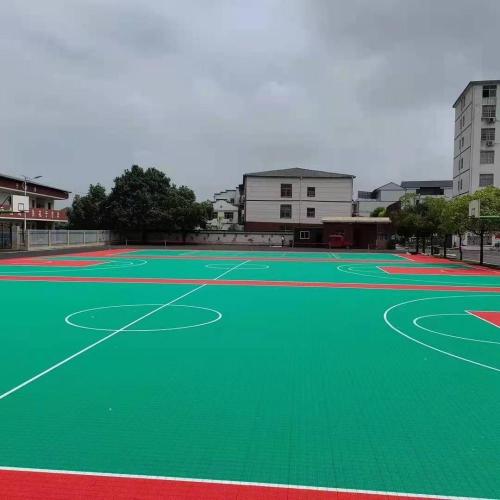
(106, 266)
(254, 283)
(446, 353)
(107, 337)
(256, 258)
(408, 278)
(479, 317)
(238, 483)
(467, 313)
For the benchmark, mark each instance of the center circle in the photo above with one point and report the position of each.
(223, 267)
(114, 318)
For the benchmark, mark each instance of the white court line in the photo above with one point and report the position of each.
(104, 339)
(446, 353)
(238, 483)
(104, 267)
(418, 325)
(485, 320)
(406, 280)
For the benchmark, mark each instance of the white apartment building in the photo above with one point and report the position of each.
(226, 210)
(476, 157)
(295, 197)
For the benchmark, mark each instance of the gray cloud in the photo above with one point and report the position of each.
(210, 90)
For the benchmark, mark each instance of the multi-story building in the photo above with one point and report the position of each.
(429, 188)
(295, 197)
(476, 157)
(30, 204)
(391, 192)
(382, 196)
(227, 211)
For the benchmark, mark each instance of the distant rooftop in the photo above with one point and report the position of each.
(299, 172)
(419, 184)
(31, 182)
(476, 82)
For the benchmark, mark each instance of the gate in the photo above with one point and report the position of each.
(5, 236)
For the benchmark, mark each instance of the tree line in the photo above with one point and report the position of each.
(437, 219)
(140, 200)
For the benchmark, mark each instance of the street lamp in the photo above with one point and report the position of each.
(26, 179)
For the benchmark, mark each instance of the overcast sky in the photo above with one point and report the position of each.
(207, 90)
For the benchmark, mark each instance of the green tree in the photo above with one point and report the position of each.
(490, 215)
(186, 213)
(378, 212)
(456, 218)
(140, 201)
(145, 200)
(88, 211)
(410, 220)
(433, 212)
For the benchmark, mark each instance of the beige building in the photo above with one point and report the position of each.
(295, 197)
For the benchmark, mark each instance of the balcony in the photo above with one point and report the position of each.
(36, 214)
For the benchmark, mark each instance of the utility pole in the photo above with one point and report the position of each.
(26, 179)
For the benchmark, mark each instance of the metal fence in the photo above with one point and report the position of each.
(47, 238)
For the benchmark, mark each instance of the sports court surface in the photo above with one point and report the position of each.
(194, 374)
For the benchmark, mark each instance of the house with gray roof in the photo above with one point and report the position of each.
(391, 192)
(295, 198)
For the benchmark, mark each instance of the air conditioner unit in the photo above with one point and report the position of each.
(491, 120)
(490, 143)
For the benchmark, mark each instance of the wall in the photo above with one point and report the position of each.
(269, 211)
(208, 237)
(263, 199)
(365, 236)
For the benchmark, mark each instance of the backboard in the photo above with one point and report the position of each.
(20, 203)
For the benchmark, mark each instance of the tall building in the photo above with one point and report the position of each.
(476, 158)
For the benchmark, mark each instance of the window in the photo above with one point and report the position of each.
(311, 212)
(285, 211)
(228, 215)
(487, 157)
(462, 142)
(489, 111)
(489, 90)
(460, 163)
(485, 180)
(460, 184)
(286, 190)
(430, 191)
(487, 134)
(304, 235)
(311, 192)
